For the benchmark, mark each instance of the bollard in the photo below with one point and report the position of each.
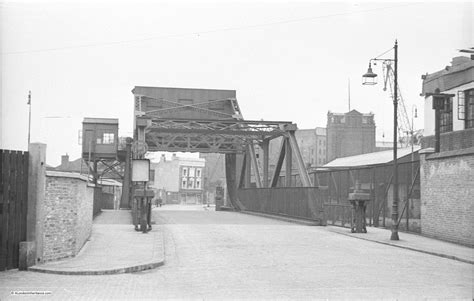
(358, 200)
(143, 200)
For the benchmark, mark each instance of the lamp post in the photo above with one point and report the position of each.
(370, 78)
(29, 117)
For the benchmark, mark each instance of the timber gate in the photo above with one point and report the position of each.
(210, 121)
(13, 206)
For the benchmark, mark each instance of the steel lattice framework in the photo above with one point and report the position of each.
(210, 121)
(211, 136)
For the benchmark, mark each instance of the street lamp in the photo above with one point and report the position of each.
(370, 78)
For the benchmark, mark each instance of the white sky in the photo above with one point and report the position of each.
(288, 61)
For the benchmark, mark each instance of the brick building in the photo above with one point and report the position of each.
(349, 134)
(312, 144)
(447, 177)
(179, 180)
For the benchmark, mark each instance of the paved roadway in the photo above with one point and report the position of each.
(226, 255)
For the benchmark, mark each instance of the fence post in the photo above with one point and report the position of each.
(31, 250)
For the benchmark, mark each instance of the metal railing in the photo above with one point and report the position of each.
(377, 181)
(298, 202)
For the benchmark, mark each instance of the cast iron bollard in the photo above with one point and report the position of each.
(358, 200)
(143, 209)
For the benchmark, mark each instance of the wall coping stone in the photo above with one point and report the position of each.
(453, 153)
(426, 151)
(65, 174)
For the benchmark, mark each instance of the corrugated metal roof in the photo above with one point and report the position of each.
(370, 158)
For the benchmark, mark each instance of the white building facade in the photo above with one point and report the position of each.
(179, 180)
(458, 112)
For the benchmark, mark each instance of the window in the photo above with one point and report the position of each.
(469, 109)
(446, 116)
(198, 184)
(198, 173)
(191, 183)
(108, 138)
(183, 183)
(185, 172)
(191, 172)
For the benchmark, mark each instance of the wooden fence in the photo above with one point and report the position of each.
(13, 205)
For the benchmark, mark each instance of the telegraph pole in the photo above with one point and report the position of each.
(29, 117)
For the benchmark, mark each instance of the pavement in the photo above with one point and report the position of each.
(408, 241)
(413, 242)
(114, 247)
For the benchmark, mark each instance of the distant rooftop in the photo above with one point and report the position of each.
(352, 112)
(321, 131)
(370, 158)
(101, 120)
(175, 88)
(460, 72)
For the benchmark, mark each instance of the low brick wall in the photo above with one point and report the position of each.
(67, 222)
(447, 191)
(451, 140)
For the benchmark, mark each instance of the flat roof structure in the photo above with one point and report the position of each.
(375, 158)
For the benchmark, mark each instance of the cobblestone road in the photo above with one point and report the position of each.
(216, 255)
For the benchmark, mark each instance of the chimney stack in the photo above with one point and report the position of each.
(65, 162)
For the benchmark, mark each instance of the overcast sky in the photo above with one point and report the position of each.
(288, 61)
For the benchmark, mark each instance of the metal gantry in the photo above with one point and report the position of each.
(210, 121)
(214, 136)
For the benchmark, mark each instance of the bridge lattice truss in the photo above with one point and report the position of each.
(211, 136)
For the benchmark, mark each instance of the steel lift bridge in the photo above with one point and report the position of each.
(210, 121)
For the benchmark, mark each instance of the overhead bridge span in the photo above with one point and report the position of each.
(210, 121)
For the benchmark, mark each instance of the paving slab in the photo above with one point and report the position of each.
(114, 247)
(413, 242)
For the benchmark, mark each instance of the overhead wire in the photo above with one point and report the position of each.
(235, 28)
(383, 53)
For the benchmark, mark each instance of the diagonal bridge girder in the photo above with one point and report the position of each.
(216, 136)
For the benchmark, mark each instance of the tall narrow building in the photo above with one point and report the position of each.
(349, 134)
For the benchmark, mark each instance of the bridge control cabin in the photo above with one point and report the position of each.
(186, 103)
(99, 138)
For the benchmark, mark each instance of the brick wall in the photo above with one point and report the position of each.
(67, 215)
(447, 192)
(451, 140)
